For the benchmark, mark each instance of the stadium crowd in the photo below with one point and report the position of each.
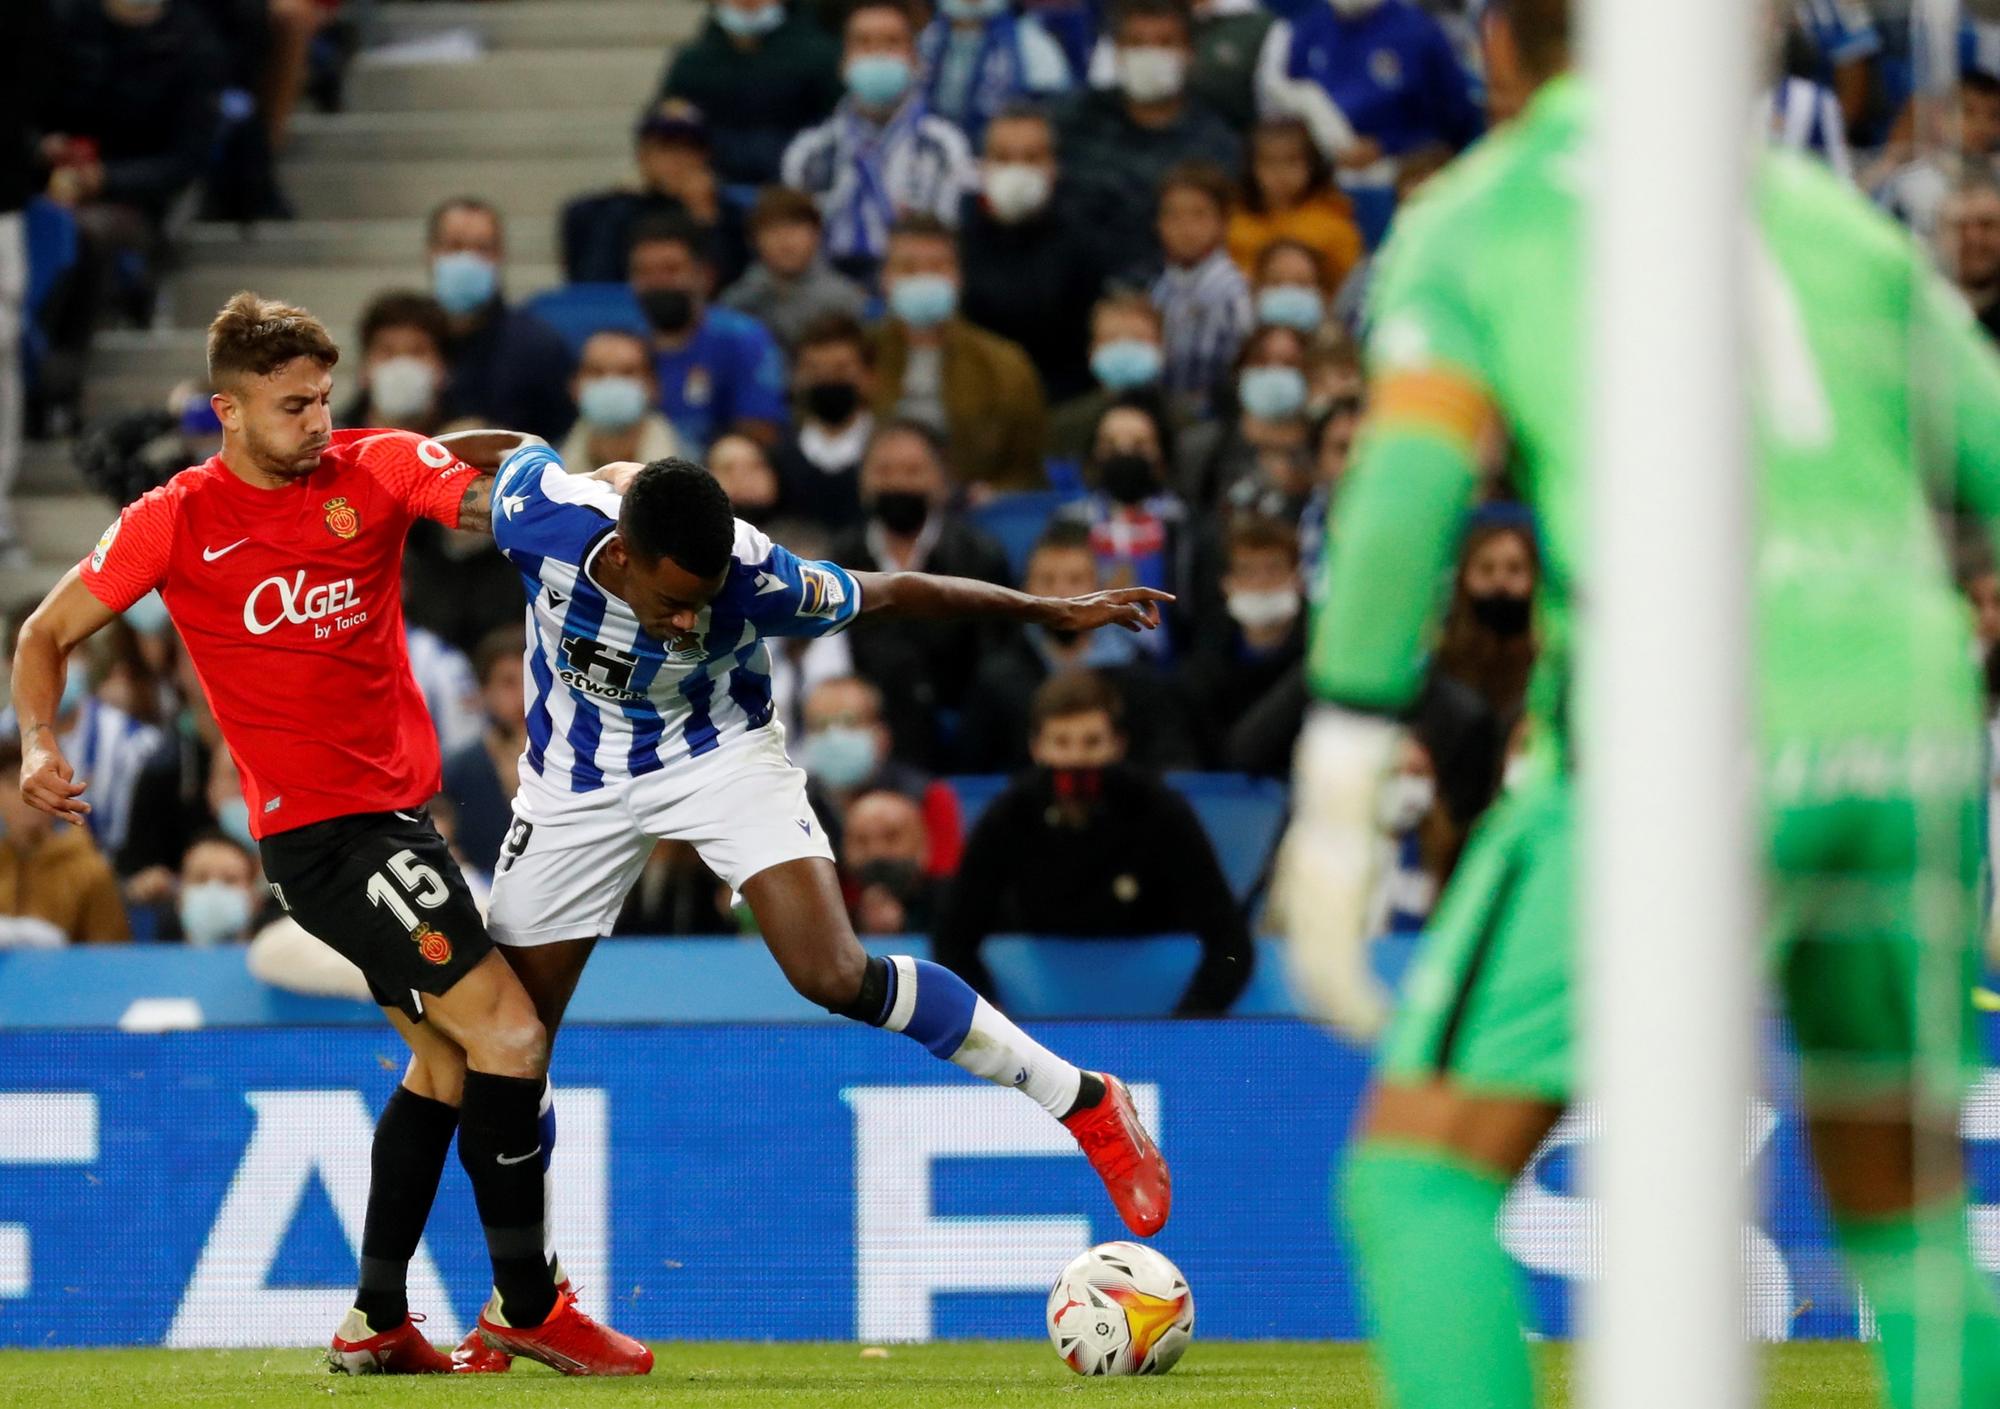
(1049, 293)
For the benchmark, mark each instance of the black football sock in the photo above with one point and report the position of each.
(499, 1143)
(1089, 1092)
(411, 1141)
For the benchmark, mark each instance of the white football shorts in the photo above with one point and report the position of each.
(571, 858)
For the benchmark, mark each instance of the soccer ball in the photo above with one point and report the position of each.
(1121, 1309)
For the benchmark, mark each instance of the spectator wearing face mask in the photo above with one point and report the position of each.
(617, 404)
(1133, 134)
(1261, 638)
(993, 734)
(1203, 298)
(508, 368)
(1371, 79)
(1289, 198)
(717, 370)
(1137, 523)
(743, 468)
(922, 667)
(1035, 251)
(1088, 845)
(1127, 357)
(791, 286)
(676, 179)
(847, 752)
(978, 391)
(760, 70)
(220, 892)
(1291, 287)
(819, 466)
(1489, 640)
(55, 885)
(403, 379)
(482, 774)
(885, 854)
(883, 154)
(979, 57)
(1255, 455)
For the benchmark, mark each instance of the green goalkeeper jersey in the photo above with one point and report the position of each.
(1864, 356)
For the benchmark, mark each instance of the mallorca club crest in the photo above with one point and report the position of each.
(342, 519)
(434, 947)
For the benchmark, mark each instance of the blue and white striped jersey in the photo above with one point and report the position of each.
(606, 701)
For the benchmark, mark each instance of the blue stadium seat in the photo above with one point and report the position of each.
(975, 791)
(578, 310)
(1017, 520)
(1242, 815)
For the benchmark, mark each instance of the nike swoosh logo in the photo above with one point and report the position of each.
(408, 818)
(516, 1159)
(209, 555)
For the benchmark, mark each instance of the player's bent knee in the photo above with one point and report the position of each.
(834, 981)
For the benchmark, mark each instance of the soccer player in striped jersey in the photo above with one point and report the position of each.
(650, 717)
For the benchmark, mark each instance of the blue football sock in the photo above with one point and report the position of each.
(936, 1007)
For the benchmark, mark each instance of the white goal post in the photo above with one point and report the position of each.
(1667, 842)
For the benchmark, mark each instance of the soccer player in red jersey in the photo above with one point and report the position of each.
(280, 561)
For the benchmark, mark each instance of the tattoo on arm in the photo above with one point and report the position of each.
(475, 510)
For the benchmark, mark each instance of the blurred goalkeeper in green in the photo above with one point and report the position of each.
(1868, 709)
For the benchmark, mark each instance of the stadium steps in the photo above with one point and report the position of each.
(506, 80)
(336, 294)
(524, 102)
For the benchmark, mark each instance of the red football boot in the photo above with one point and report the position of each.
(569, 1341)
(1125, 1158)
(475, 1357)
(401, 1350)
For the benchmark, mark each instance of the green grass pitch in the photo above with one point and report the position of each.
(958, 1375)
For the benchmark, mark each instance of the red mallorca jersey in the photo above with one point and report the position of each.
(290, 604)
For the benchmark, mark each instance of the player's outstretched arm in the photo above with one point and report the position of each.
(483, 450)
(68, 616)
(921, 595)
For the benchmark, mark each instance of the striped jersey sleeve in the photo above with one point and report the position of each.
(541, 511)
(794, 596)
(131, 556)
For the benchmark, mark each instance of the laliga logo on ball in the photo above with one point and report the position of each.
(1121, 1309)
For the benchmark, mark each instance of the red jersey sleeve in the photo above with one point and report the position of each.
(420, 474)
(131, 558)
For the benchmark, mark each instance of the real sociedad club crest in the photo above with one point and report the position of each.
(342, 520)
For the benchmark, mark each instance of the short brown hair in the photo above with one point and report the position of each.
(405, 308)
(1071, 693)
(1262, 533)
(781, 205)
(836, 330)
(1541, 31)
(1205, 177)
(502, 643)
(1127, 301)
(922, 225)
(253, 337)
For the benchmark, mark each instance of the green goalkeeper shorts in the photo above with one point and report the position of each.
(1856, 888)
